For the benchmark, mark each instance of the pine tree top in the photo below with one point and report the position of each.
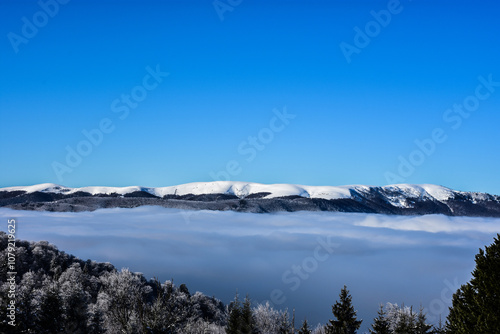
(345, 314)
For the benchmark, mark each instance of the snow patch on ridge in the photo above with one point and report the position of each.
(424, 192)
(243, 189)
(439, 192)
(43, 187)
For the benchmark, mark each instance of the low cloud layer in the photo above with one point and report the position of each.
(297, 260)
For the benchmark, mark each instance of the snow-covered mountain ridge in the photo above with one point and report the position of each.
(244, 189)
(256, 197)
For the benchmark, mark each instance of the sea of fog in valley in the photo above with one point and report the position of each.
(295, 260)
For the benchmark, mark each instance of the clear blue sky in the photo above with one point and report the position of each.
(353, 122)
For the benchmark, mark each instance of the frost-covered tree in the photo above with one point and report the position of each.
(121, 299)
(400, 318)
(204, 307)
(49, 309)
(95, 320)
(285, 325)
(267, 319)
(201, 326)
(24, 301)
(403, 320)
(161, 316)
(319, 329)
(304, 329)
(74, 300)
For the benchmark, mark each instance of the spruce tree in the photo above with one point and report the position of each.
(285, 327)
(234, 319)
(439, 329)
(305, 328)
(406, 321)
(475, 306)
(240, 319)
(247, 324)
(421, 326)
(345, 314)
(380, 323)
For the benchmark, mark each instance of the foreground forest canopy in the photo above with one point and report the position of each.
(58, 293)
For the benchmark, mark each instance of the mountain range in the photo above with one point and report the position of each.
(399, 199)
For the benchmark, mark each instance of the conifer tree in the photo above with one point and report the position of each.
(475, 306)
(285, 327)
(247, 322)
(305, 328)
(380, 323)
(406, 321)
(345, 314)
(421, 325)
(439, 329)
(234, 319)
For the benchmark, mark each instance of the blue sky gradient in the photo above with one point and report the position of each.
(355, 120)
